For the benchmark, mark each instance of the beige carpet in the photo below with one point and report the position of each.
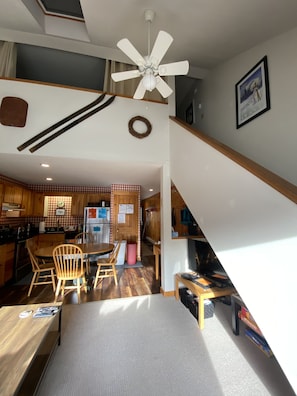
(150, 346)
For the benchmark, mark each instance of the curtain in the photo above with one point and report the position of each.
(128, 87)
(8, 59)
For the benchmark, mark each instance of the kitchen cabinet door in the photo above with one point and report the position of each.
(6, 262)
(13, 193)
(79, 201)
(26, 203)
(1, 193)
(44, 240)
(38, 204)
(93, 198)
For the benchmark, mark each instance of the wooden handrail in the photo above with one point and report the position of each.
(278, 183)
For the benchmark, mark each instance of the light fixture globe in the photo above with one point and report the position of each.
(149, 82)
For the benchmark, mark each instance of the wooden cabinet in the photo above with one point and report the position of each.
(26, 203)
(1, 193)
(38, 204)
(95, 198)
(13, 193)
(6, 262)
(79, 201)
(44, 240)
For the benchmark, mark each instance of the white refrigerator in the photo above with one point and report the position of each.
(97, 222)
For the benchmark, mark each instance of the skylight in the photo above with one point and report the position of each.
(65, 8)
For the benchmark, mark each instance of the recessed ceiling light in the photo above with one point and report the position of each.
(49, 179)
(45, 165)
(151, 189)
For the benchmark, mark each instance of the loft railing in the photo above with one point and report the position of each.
(278, 183)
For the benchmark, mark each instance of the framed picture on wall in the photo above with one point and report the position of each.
(252, 94)
(189, 114)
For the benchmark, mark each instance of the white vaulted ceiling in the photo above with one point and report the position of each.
(205, 32)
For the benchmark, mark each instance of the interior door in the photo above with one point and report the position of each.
(126, 222)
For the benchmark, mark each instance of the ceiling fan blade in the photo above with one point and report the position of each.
(163, 87)
(140, 91)
(160, 48)
(174, 69)
(128, 49)
(125, 75)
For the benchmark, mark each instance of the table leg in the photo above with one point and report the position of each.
(157, 265)
(60, 325)
(176, 291)
(201, 312)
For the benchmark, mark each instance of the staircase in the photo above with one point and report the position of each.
(249, 217)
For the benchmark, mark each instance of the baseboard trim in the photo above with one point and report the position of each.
(167, 293)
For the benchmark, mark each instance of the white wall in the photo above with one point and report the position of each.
(104, 136)
(253, 230)
(270, 139)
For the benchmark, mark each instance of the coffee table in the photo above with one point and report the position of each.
(212, 292)
(26, 345)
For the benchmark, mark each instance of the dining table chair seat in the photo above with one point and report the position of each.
(69, 264)
(43, 271)
(107, 266)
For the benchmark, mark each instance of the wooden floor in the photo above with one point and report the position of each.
(132, 282)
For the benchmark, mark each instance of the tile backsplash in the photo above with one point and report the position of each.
(54, 220)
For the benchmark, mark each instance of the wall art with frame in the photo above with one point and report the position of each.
(252, 94)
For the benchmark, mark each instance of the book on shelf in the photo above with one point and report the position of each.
(250, 323)
(245, 313)
(45, 311)
(259, 341)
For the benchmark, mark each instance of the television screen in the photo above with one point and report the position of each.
(202, 258)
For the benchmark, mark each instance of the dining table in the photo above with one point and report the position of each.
(89, 249)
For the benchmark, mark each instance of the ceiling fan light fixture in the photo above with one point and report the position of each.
(149, 66)
(149, 82)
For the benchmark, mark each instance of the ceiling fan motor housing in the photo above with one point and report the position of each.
(149, 15)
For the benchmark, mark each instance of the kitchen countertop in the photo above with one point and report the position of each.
(13, 238)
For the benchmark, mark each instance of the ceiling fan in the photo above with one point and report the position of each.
(149, 66)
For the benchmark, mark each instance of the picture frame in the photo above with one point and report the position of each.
(252, 94)
(189, 114)
(60, 212)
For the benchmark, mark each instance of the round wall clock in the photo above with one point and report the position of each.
(60, 204)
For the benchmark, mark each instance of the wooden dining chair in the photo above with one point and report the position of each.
(43, 271)
(69, 264)
(85, 237)
(107, 266)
